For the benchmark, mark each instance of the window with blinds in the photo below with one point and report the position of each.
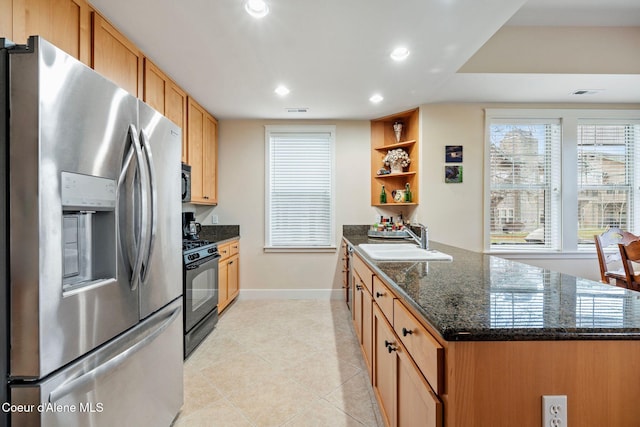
(524, 177)
(300, 187)
(606, 176)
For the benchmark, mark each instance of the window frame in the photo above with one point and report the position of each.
(300, 130)
(569, 119)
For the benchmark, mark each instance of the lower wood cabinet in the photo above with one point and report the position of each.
(403, 377)
(228, 274)
(362, 314)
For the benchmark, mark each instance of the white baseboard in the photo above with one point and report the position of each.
(323, 294)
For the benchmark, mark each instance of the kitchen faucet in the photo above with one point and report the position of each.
(423, 240)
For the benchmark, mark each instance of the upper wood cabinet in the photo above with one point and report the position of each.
(383, 139)
(6, 19)
(115, 57)
(202, 149)
(168, 98)
(65, 23)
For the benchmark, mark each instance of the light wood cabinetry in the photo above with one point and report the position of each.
(115, 57)
(202, 147)
(383, 139)
(168, 98)
(6, 19)
(406, 362)
(65, 23)
(228, 273)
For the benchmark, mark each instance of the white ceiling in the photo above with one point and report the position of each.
(334, 54)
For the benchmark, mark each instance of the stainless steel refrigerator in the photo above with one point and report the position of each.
(91, 219)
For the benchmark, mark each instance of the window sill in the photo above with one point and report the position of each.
(542, 254)
(301, 249)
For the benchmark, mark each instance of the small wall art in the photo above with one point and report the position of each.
(453, 154)
(452, 174)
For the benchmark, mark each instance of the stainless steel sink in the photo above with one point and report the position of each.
(402, 252)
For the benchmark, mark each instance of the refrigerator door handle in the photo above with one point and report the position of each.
(137, 247)
(144, 142)
(89, 378)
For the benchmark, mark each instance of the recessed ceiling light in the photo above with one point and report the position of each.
(256, 8)
(376, 98)
(400, 53)
(282, 90)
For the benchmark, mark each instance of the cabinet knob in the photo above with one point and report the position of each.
(392, 348)
(379, 294)
(359, 287)
(387, 343)
(406, 332)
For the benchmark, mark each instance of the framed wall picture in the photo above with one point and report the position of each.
(452, 174)
(453, 154)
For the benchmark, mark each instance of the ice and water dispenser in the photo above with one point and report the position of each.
(88, 230)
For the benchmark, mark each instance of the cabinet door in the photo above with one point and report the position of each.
(384, 365)
(168, 98)
(416, 404)
(209, 156)
(154, 86)
(367, 333)
(195, 119)
(233, 277)
(6, 19)
(357, 306)
(115, 57)
(175, 108)
(223, 277)
(65, 23)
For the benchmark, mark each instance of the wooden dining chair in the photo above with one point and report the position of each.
(610, 268)
(630, 254)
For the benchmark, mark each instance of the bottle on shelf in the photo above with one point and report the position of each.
(383, 196)
(407, 193)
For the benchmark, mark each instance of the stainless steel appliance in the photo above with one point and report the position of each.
(200, 278)
(186, 183)
(94, 322)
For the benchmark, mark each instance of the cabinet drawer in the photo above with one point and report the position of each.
(235, 247)
(384, 298)
(225, 251)
(364, 272)
(426, 352)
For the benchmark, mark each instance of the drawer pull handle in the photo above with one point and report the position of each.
(406, 332)
(379, 294)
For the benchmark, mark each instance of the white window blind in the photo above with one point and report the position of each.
(524, 179)
(606, 176)
(300, 206)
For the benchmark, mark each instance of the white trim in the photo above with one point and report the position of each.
(300, 249)
(320, 294)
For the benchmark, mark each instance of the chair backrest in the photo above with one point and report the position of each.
(630, 254)
(613, 236)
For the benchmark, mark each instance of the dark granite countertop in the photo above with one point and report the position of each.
(478, 297)
(219, 233)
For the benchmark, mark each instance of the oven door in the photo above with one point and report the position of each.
(200, 290)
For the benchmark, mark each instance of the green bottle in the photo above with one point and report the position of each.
(383, 196)
(407, 193)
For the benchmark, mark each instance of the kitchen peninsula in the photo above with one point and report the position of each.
(484, 338)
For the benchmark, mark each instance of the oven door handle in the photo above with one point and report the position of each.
(197, 265)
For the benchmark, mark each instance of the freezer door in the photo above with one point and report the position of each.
(161, 273)
(135, 380)
(70, 289)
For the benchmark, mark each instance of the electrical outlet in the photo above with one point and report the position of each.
(554, 411)
(214, 219)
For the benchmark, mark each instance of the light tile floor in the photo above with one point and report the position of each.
(279, 363)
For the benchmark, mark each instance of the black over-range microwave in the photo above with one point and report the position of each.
(186, 183)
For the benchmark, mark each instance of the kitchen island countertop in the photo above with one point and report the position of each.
(479, 297)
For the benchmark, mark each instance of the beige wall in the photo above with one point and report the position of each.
(241, 187)
(453, 212)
